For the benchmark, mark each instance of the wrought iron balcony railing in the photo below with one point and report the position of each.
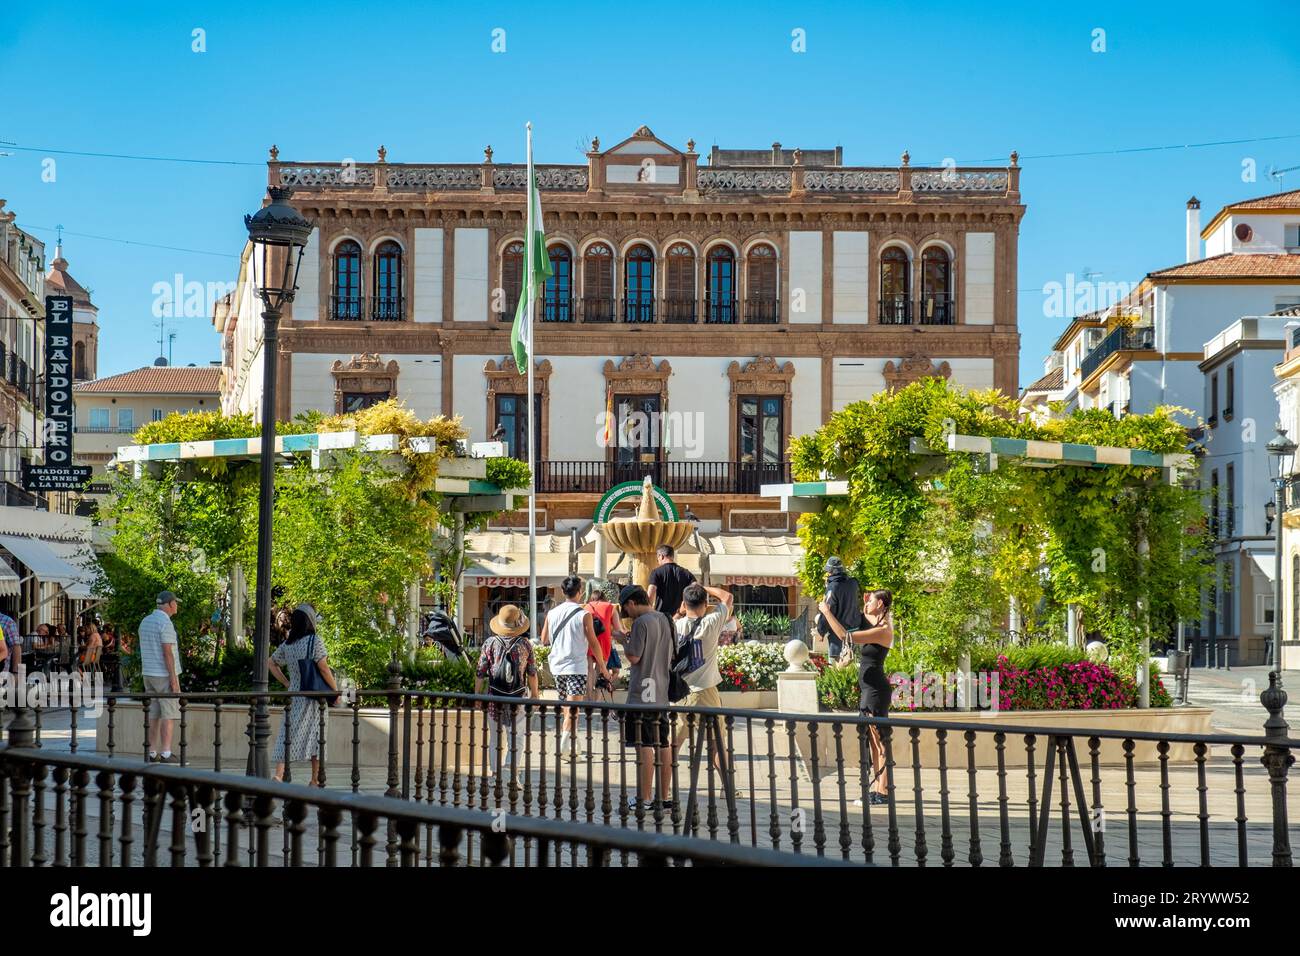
(937, 310)
(598, 308)
(387, 308)
(675, 477)
(347, 308)
(762, 310)
(638, 311)
(1120, 339)
(720, 311)
(678, 310)
(556, 310)
(895, 309)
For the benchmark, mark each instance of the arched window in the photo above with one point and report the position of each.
(895, 287)
(79, 361)
(679, 283)
(346, 303)
(639, 285)
(557, 299)
(388, 304)
(722, 285)
(512, 280)
(598, 283)
(761, 303)
(936, 287)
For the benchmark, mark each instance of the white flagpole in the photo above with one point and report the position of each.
(529, 265)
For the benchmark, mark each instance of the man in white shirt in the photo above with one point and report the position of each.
(569, 630)
(160, 663)
(704, 626)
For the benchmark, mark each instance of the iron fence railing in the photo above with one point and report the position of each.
(81, 810)
(963, 791)
(1124, 337)
(675, 477)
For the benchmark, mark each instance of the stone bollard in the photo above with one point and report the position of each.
(796, 688)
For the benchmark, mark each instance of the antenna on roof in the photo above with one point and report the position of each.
(1277, 174)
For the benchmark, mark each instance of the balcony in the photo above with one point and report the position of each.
(347, 308)
(638, 311)
(895, 310)
(938, 310)
(678, 310)
(720, 312)
(556, 310)
(598, 309)
(762, 310)
(1121, 339)
(387, 308)
(675, 477)
(15, 496)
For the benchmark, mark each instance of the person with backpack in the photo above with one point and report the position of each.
(570, 632)
(702, 629)
(508, 666)
(603, 614)
(300, 736)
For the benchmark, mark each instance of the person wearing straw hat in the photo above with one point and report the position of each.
(508, 666)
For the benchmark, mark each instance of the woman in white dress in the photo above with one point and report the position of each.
(302, 717)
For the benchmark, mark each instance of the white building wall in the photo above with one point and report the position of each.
(427, 298)
(469, 390)
(699, 389)
(1268, 233)
(577, 401)
(806, 395)
(970, 373)
(979, 277)
(805, 278)
(1188, 316)
(856, 380)
(851, 268)
(470, 288)
(306, 302)
(419, 382)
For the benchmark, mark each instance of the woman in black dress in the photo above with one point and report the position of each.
(874, 690)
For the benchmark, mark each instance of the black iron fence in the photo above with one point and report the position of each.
(909, 790)
(688, 477)
(79, 810)
(1124, 337)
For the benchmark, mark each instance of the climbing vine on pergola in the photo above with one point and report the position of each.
(956, 540)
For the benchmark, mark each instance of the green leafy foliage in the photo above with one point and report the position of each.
(956, 542)
(349, 539)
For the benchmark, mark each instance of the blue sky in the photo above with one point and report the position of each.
(331, 80)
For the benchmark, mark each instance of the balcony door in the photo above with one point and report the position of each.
(512, 419)
(636, 450)
(761, 432)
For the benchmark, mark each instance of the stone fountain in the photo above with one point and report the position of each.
(640, 537)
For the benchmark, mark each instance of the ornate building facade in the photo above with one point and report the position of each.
(710, 311)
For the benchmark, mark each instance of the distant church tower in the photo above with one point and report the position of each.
(85, 329)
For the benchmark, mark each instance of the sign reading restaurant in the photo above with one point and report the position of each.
(58, 473)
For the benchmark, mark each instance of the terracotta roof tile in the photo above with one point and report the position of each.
(159, 380)
(1051, 382)
(1234, 265)
(1287, 200)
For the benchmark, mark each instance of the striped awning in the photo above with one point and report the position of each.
(54, 562)
(8, 579)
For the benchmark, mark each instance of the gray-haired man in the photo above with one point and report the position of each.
(160, 663)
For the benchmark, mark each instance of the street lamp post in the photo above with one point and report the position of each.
(279, 235)
(1281, 451)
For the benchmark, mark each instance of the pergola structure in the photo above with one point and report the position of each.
(810, 497)
(462, 480)
(804, 497)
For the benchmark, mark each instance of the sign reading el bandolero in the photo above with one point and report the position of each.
(55, 477)
(58, 473)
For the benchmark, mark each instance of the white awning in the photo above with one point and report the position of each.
(500, 559)
(737, 559)
(50, 566)
(1266, 563)
(8, 579)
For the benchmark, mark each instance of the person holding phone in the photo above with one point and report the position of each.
(874, 691)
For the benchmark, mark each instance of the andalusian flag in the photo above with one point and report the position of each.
(537, 269)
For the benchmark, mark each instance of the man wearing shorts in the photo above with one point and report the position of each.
(160, 663)
(705, 626)
(569, 631)
(650, 649)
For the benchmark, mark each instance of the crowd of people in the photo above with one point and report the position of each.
(93, 646)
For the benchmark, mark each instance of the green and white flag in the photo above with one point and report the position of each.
(537, 269)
